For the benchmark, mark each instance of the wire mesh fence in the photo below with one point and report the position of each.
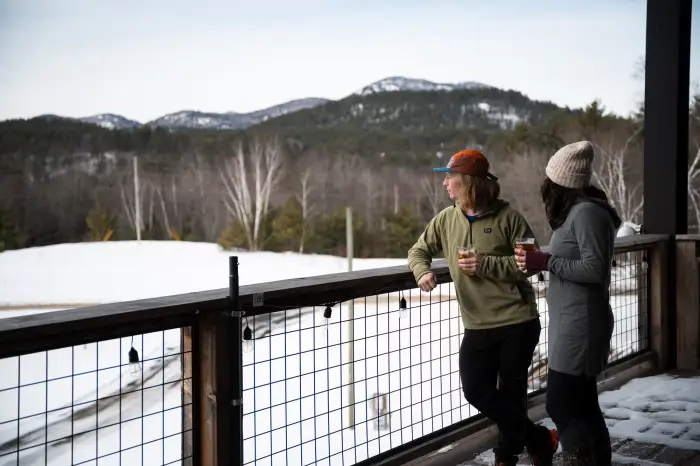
(119, 402)
(343, 386)
(322, 385)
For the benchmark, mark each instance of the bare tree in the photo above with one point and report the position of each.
(434, 193)
(613, 178)
(307, 208)
(249, 207)
(520, 177)
(129, 205)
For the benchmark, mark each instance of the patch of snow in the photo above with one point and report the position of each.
(103, 272)
(662, 409)
(400, 83)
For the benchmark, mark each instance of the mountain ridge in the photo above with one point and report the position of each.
(193, 119)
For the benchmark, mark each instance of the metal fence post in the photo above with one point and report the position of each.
(236, 358)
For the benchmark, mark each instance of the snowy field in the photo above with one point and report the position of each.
(297, 380)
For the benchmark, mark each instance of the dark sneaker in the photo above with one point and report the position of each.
(544, 447)
(506, 463)
(509, 461)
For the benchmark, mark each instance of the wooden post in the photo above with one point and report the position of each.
(643, 297)
(658, 302)
(219, 380)
(687, 305)
(350, 247)
(187, 396)
(137, 199)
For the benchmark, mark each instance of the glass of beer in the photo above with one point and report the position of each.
(465, 252)
(526, 244)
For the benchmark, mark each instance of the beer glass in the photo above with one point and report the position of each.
(465, 252)
(526, 244)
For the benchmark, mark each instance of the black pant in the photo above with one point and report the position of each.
(572, 403)
(505, 353)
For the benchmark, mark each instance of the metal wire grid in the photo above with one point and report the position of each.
(84, 405)
(299, 408)
(299, 403)
(629, 299)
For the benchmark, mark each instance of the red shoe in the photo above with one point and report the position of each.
(543, 451)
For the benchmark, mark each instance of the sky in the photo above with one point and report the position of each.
(143, 59)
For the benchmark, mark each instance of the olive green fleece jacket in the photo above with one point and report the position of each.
(499, 294)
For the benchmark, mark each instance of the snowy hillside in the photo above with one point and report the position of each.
(231, 120)
(111, 121)
(400, 83)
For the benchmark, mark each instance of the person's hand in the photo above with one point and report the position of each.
(521, 258)
(535, 261)
(427, 282)
(470, 264)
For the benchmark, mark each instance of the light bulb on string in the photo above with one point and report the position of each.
(327, 318)
(403, 308)
(134, 364)
(247, 340)
(325, 324)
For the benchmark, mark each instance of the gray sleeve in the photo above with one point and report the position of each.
(592, 227)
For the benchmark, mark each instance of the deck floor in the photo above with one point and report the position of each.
(625, 452)
(653, 421)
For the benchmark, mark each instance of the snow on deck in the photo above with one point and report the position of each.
(653, 421)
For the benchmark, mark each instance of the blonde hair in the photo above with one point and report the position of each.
(478, 193)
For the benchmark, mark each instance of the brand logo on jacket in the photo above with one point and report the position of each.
(487, 230)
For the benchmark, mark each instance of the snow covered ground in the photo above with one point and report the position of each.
(93, 273)
(296, 380)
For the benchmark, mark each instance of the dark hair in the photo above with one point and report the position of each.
(559, 200)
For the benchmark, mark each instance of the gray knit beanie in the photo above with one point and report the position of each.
(572, 165)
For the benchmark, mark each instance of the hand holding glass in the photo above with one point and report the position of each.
(465, 252)
(525, 244)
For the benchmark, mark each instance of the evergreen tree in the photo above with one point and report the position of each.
(402, 231)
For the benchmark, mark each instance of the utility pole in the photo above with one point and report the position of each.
(137, 199)
(351, 318)
(396, 198)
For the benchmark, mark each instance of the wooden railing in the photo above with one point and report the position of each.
(215, 373)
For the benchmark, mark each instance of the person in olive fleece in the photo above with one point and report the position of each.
(580, 317)
(497, 303)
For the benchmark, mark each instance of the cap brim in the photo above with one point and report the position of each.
(443, 170)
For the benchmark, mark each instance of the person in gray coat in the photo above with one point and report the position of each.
(581, 321)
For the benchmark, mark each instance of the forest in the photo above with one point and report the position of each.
(286, 187)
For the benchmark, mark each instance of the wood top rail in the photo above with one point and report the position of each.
(51, 330)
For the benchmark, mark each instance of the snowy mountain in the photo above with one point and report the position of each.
(194, 119)
(111, 121)
(400, 83)
(231, 120)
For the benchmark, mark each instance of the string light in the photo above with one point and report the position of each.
(247, 339)
(327, 317)
(403, 309)
(134, 363)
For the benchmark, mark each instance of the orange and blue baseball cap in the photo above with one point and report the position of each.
(468, 162)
